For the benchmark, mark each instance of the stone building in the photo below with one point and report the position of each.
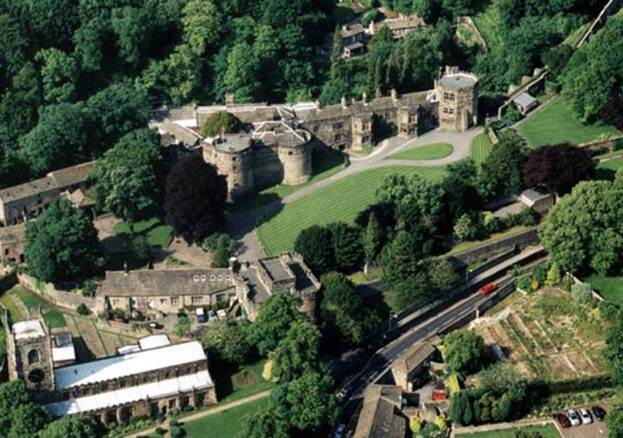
(142, 383)
(12, 242)
(381, 415)
(155, 293)
(411, 369)
(26, 201)
(279, 140)
(457, 93)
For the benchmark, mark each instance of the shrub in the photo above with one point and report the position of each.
(554, 277)
(220, 258)
(608, 311)
(221, 122)
(82, 309)
(89, 287)
(160, 430)
(581, 292)
(176, 432)
(539, 273)
(552, 87)
(141, 249)
(523, 283)
(617, 145)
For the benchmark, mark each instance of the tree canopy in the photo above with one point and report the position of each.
(61, 244)
(463, 351)
(221, 122)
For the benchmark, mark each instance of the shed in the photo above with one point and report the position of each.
(525, 103)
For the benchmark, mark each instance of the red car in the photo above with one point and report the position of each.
(562, 420)
(488, 288)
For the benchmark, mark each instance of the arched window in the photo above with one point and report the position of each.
(33, 357)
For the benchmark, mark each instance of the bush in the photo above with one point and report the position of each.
(581, 292)
(160, 430)
(539, 273)
(89, 287)
(220, 258)
(608, 311)
(176, 432)
(523, 283)
(222, 246)
(141, 249)
(82, 309)
(552, 87)
(617, 145)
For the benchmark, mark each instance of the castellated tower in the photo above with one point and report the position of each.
(295, 153)
(457, 93)
(232, 155)
(29, 351)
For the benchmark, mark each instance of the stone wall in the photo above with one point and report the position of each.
(62, 298)
(237, 167)
(297, 163)
(268, 170)
(520, 240)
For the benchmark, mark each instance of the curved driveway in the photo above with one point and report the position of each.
(241, 224)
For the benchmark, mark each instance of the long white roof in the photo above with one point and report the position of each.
(127, 365)
(154, 390)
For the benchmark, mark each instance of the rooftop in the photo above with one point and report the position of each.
(380, 415)
(525, 100)
(232, 142)
(127, 365)
(13, 234)
(276, 269)
(29, 329)
(187, 383)
(414, 356)
(154, 341)
(458, 80)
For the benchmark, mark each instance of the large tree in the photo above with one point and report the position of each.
(558, 168)
(315, 244)
(228, 341)
(127, 177)
(195, 199)
(61, 244)
(501, 173)
(278, 313)
(584, 230)
(297, 352)
(463, 351)
(19, 415)
(400, 258)
(347, 246)
(343, 311)
(71, 426)
(614, 350)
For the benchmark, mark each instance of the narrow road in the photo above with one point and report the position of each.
(241, 224)
(206, 413)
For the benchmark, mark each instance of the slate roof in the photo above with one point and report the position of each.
(380, 415)
(413, 358)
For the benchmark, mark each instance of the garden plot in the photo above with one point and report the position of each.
(546, 335)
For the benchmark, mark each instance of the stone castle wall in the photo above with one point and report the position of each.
(238, 168)
(297, 163)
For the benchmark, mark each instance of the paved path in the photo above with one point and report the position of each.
(241, 224)
(206, 413)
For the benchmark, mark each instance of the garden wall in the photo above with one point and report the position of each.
(519, 240)
(62, 298)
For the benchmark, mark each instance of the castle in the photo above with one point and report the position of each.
(278, 145)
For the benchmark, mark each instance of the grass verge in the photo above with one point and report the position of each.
(433, 151)
(481, 148)
(548, 431)
(226, 424)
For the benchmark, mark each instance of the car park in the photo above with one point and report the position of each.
(586, 416)
(599, 413)
(562, 420)
(488, 288)
(574, 418)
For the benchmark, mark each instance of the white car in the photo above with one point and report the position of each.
(339, 432)
(586, 416)
(573, 417)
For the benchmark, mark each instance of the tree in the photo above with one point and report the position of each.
(347, 246)
(582, 292)
(308, 401)
(297, 352)
(202, 23)
(614, 419)
(71, 426)
(426, 9)
(194, 199)
(460, 188)
(127, 177)
(265, 423)
(456, 8)
(241, 75)
(463, 351)
(182, 326)
(19, 416)
(141, 249)
(61, 244)
(465, 228)
(558, 168)
(502, 170)
(59, 139)
(221, 122)
(442, 275)
(459, 405)
(59, 74)
(584, 230)
(373, 239)
(400, 259)
(278, 313)
(228, 341)
(343, 311)
(554, 277)
(315, 245)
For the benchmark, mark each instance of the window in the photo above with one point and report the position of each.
(174, 301)
(450, 110)
(448, 96)
(196, 300)
(220, 278)
(337, 126)
(33, 357)
(212, 277)
(365, 139)
(445, 110)
(163, 301)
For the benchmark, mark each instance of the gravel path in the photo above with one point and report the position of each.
(241, 224)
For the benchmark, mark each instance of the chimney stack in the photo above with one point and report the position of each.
(343, 101)
(394, 94)
(364, 98)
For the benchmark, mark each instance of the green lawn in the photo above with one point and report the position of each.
(157, 232)
(481, 148)
(31, 301)
(8, 303)
(433, 151)
(341, 201)
(556, 123)
(607, 169)
(611, 288)
(226, 424)
(54, 319)
(235, 384)
(548, 431)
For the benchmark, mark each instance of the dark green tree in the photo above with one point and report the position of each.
(61, 244)
(502, 171)
(614, 419)
(315, 244)
(400, 259)
(265, 423)
(19, 415)
(221, 122)
(297, 352)
(463, 351)
(228, 341)
(373, 239)
(127, 179)
(347, 247)
(71, 426)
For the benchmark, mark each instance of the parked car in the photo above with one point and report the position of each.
(201, 316)
(154, 325)
(586, 416)
(339, 431)
(343, 393)
(599, 413)
(574, 418)
(488, 288)
(562, 420)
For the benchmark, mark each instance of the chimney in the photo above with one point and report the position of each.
(317, 103)
(364, 98)
(343, 101)
(394, 94)
(229, 99)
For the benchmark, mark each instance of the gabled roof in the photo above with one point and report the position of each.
(413, 358)
(524, 100)
(380, 415)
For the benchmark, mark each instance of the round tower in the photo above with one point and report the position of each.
(457, 93)
(232, 155)
(295, 153)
